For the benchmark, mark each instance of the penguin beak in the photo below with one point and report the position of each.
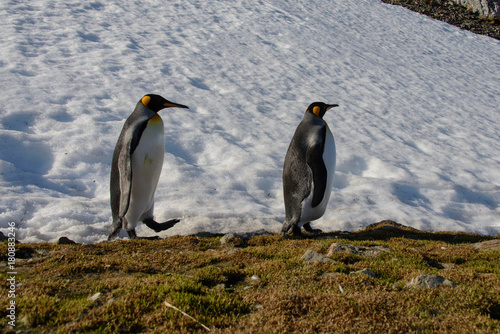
(330, 106)
(174, 105)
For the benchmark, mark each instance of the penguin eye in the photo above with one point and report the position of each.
(145, 100)
(316, 110)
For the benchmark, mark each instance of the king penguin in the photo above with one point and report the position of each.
(308, 171)
(136, 167)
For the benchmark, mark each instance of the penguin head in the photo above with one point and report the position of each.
(156, 103)
(319, 108)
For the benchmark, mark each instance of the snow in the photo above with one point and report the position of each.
(417, 130)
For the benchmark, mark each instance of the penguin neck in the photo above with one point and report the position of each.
(314, 119)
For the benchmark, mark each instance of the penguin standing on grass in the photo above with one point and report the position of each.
(308, 171)
(136, 167)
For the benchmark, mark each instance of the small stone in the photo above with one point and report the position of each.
(258, 306)
(365, 271)
(447, 266)
(95, 297)
(429, 281)
(313, 256)
(255, 278)
(226, 238)
(42, 252)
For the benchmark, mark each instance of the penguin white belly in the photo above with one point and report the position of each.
(329, 158)
(147, 162)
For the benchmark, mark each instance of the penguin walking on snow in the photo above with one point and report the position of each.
(308, 171)
(136, 167)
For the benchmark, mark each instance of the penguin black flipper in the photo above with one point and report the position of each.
(123, 160)
(314, 159)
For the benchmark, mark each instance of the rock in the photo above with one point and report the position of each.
(365, 271)
(65, 241)
(258, 306)
(313, 256)
(448, 266)
(95, 297)
(487, 245)
(429, 281)
(42, 252)
(226, 238)
(357, 250)
(2, 236)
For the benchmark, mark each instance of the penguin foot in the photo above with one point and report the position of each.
(158, 227)
(131, 234)
(287, 228)
(307, 227)
(113, 235)
(296, 231)
(115, 230)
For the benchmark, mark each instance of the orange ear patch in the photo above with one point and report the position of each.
(316, 111)
(145, 100)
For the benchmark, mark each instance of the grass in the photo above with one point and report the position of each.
(261, 286)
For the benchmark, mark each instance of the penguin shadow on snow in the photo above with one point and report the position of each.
(354, 165)
(30, 162)
(410, 195)
(28, 156)
(198, 83)
(455, 210)
(19, 122)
